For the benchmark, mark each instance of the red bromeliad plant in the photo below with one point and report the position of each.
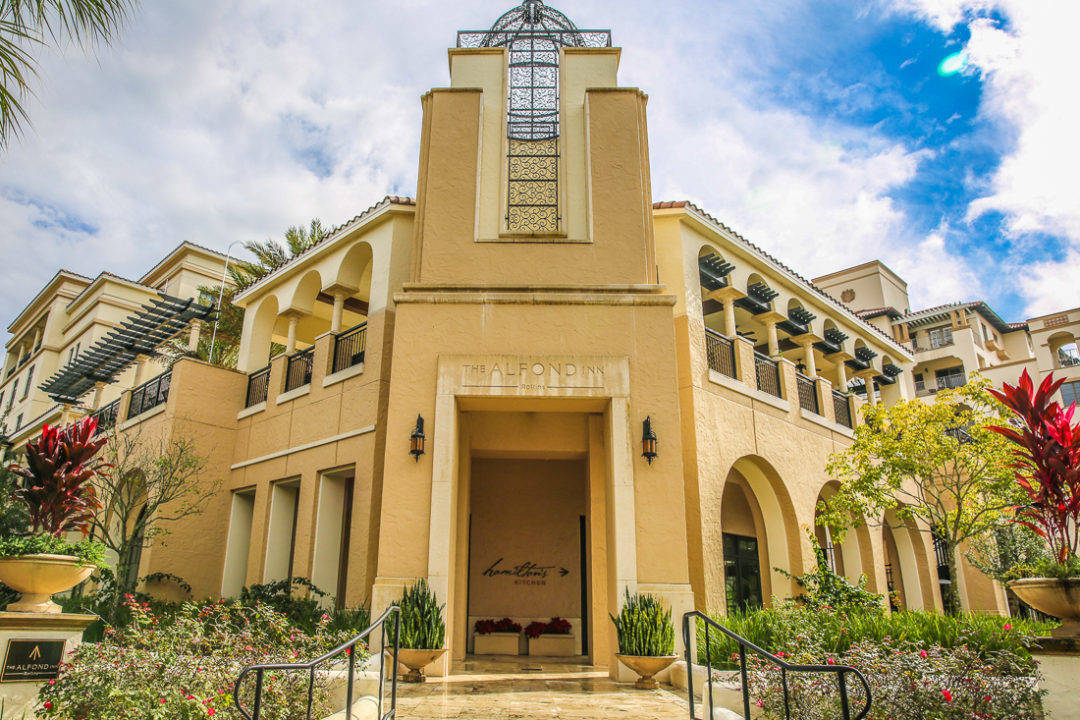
(60, 466)
(1046, 461)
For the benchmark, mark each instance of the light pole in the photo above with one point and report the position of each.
(221, 292)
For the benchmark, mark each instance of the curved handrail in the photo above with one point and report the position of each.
(839, 670)
(310, 666)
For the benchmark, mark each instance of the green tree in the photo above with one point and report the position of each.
(935, 463)
(28, 25)
(271, 254)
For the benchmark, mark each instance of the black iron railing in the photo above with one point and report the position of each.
(258, 384)
(150, 394)
(389, 655)
(349, 347)
(808, 399)
(768, 374)
(298, 369)
(721, 353)
(711, 628)
(841, 408)
(107, 415)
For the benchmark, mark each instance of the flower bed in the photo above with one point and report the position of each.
(906, 682)
(183, 666)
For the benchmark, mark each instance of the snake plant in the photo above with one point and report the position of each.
(422, 625)
(644, 627)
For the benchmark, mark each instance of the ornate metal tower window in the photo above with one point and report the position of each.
(533, 34)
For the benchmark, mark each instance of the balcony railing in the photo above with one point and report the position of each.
(841, 408)
(808, 399)
(150, 394)
(258, 384)
(107, 415)
(349, 347)
(951, 381)
(721, 353)
(768, 374)
(298, 369)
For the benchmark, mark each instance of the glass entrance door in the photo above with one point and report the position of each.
(742, 572)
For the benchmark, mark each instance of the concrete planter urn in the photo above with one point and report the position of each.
(551, 645)
(1053, 596)
(646, 667)
(37, 577)
(416, 660)
(497, 643)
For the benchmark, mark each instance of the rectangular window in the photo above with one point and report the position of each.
(742, 572)
(14, 391)
(940, 337)
(281, 533)
(238, 543)
(18, 421)
(1070, 393)
(29, 380)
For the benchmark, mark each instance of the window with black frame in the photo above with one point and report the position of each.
(742, 572)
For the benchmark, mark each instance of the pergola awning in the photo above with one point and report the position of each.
(139, 334)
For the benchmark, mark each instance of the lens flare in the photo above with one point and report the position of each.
(953, 64)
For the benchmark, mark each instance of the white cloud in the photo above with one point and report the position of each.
(1028, 72)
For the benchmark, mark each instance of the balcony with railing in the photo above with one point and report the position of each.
(721, 353)
(257, 386)
(298, 369)
(767, 372)
(808, 399)
(841, 409)
(349, 347)
(107, 416)
(150, 394)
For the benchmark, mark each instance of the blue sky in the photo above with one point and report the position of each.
(820, 130)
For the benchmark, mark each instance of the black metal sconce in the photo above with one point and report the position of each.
(416, 440)
(650, 446)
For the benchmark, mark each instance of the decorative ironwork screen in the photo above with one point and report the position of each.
(533, 34)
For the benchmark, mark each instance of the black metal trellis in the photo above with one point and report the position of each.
(139, 334)
(711, 628)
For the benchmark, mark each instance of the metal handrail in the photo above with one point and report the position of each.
(310, 666)
(840, 671)
(150, 394)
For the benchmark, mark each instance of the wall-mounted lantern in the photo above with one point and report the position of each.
(650, 446)
(416, 440)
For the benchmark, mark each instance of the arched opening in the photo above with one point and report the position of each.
(852, 555)
(310, 306)
(1064, 350)
(759, 534)
(903, 548)
(261, 335)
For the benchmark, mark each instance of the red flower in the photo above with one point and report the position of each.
(1008, 626)
(47, 705)
(922, 653)
(162, 701)
(947, 695)
(211, 711)
(830, 661)
(987, 699)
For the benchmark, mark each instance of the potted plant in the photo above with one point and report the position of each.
(646, 638)
(423, 631)
(496, 637)
(61, 499)
(551, 638)
(1046, 461)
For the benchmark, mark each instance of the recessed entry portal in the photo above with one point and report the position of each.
(527, 526)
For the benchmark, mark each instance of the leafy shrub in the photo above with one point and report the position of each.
(182, 667)
(301, 602)
(486, 627)
(792, 629)
(644, 627)
(554, 626)
(825, 589)
(422, 625)
(906, 683)
(91, 553)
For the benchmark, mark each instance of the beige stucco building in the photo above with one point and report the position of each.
(536, 316)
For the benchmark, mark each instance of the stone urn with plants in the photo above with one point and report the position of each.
(1046, 462)
(58, 492)
(422, 631)
(646, 638)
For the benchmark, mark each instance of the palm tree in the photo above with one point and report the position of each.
(28, 24)
(269, 255)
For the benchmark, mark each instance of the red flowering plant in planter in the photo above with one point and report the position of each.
(59, 494)
(556, 626)
(486, 627)
(1046, 462)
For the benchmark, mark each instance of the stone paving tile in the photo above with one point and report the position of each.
(500, 690)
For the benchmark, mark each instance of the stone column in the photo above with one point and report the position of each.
(339, 307)
(193, 336)
(774, 340)
(726, 296)
(141, 362)
(841, 374)
(868, 378)
(807, 343)
(99, 387)
(290, 344)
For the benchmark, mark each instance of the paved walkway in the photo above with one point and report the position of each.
(530, 689)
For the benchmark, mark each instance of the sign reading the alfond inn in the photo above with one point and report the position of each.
(535, 374)
(32, 660)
